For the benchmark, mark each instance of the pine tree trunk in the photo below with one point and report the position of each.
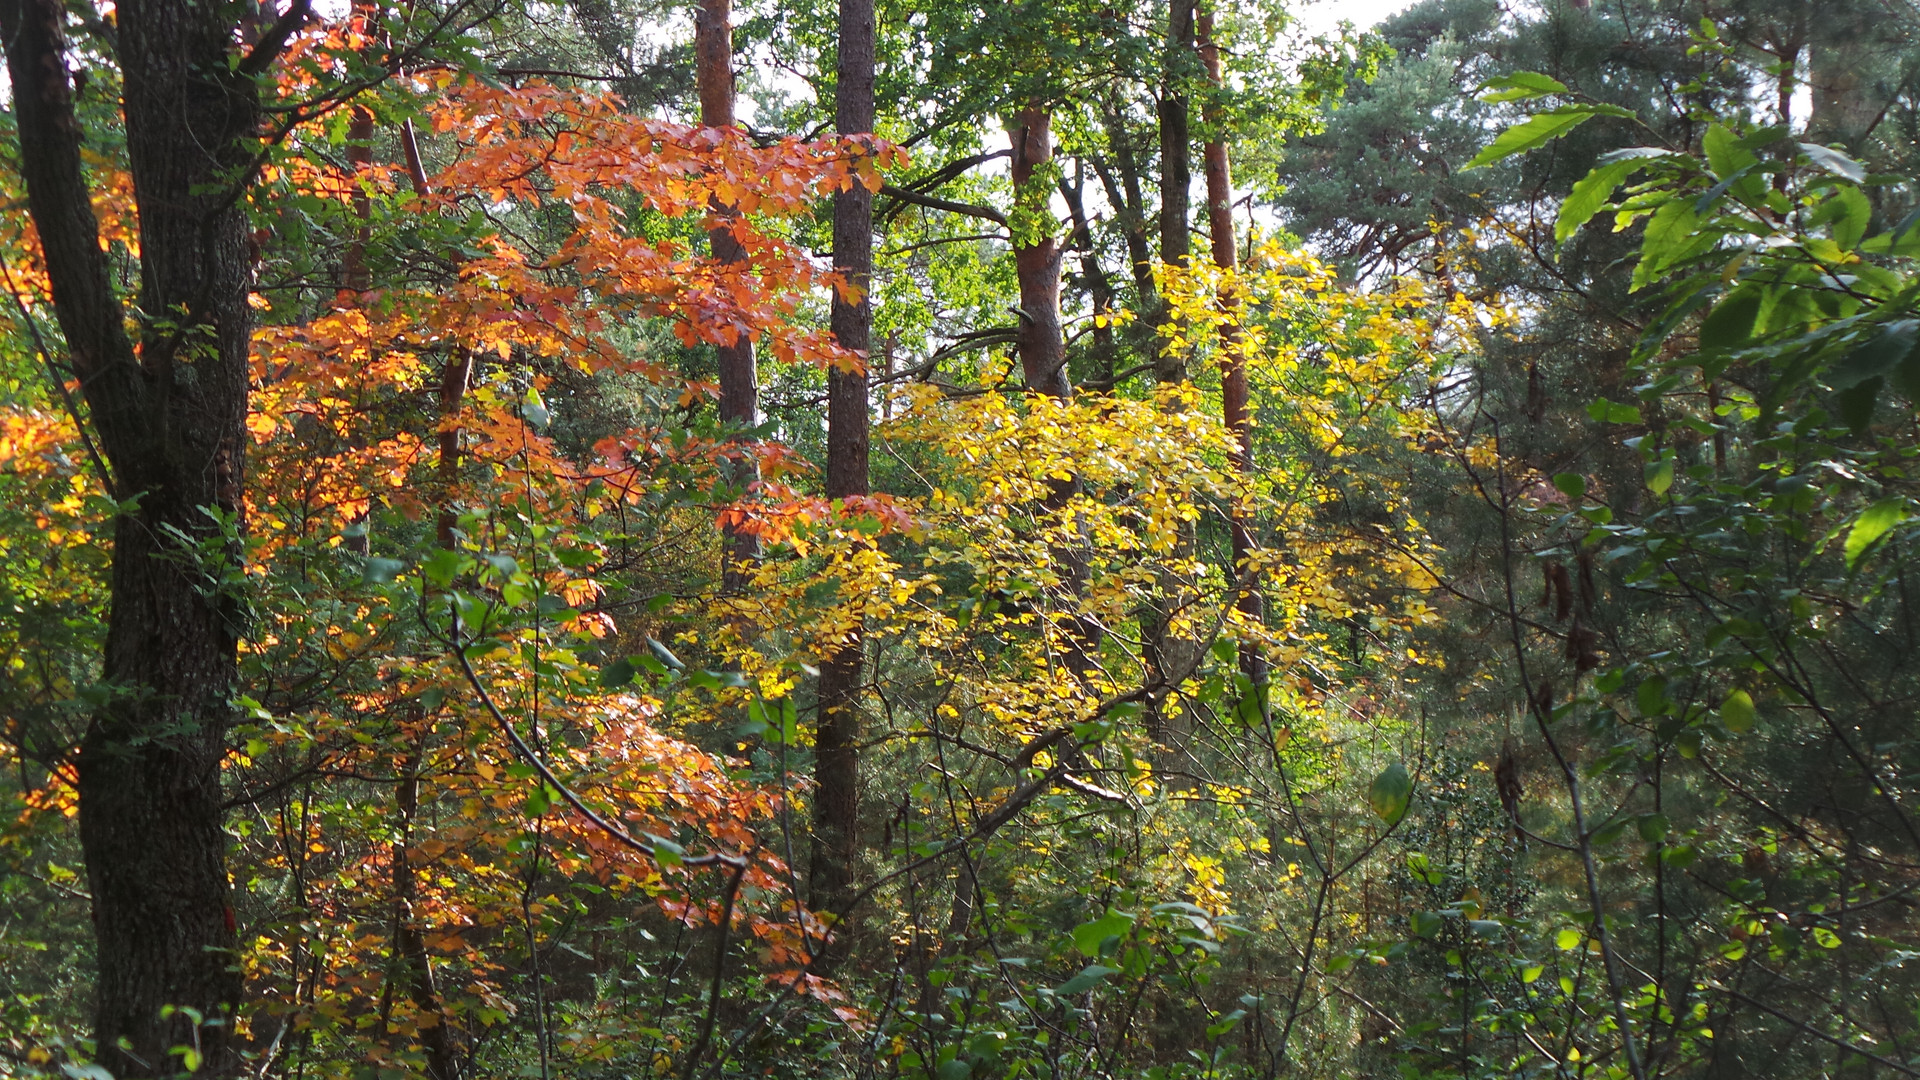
(1167, 656)
(739, 382)
(1036, 254)
(1176, 169)
(836, 811)
(1234, 394)
(171, 422)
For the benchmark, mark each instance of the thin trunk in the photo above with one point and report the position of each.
(1099, 284)
(442, 1053)
(171, 419)
(739, 386)
(836, 811)
(354, 276)
(1124, 192)
(443, 1062)
(1176, 169)
(455, 373)
(1235, 404)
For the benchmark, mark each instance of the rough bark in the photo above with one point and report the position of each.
(1123, 191)
(354, 276)
(739, 383)
(1235, 404)
(1037, 254)
(836, 810)
(1099, 285)
(171, 422)
(1176, 169)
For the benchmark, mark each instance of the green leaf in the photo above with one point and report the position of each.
(540, 800)
(1426, 924)
(1572, 485)
(1889, 347)
(617, 674)
(1390, 793)
(1612, 412)
(665, 851)
(1737, 712)
(382, 571)
(534, 411)
(664, 655)
(1856, 404)
(1872, 524)
(1532, 132)
(443, 565)
(1670, 231)
(1846, 215)
(1521, 86)
(1653, 828)
(1834, 161)
(1568, 939)
(1090, 976)
(1725, 155)
(1589, 194)
(1659, 475)
(1088, 937)
(1730, 324)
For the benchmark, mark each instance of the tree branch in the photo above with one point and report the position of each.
(905, 195)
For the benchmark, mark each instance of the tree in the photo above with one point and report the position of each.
(836, 744)
(169, 404)
(739, 379)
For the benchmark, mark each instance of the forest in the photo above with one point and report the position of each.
(960, 540)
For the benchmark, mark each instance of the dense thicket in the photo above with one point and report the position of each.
(959, 540)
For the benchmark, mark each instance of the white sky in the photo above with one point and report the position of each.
(1323, 15)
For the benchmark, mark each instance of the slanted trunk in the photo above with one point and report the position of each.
(836, 811)
(171, 419)
(1235, 405)
(1099, 284)
(739, 385)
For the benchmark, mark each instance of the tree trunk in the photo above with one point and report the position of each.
(1130, 207)
(739, 385)
(1042, 346)
(1166, 656)
(836, 808)
(1099, 284)
(1176, 170)
(1036, 254)
(1234, 395)
(171, 423)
